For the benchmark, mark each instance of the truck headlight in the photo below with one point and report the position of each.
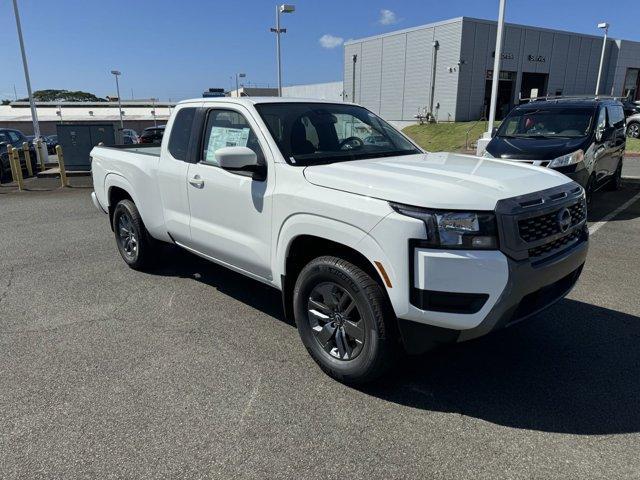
(569, 159)
(461, 230)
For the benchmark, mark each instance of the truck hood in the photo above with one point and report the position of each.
(436, 180)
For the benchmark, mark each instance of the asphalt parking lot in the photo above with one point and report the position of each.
(191, 371)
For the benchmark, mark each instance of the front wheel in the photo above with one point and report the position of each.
(135, 244)
(344, 320)
(633, 130)
(616, 181)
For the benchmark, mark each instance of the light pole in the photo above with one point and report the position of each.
(603, 26)
(496, 69)
(239, 75)
(117, 73)
(153, 103)
(34, 113)
(284, 8)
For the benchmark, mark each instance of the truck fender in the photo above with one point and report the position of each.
(115, 180)
(333, 230)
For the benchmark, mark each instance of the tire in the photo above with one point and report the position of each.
(344, 320)
(590, 188)
(616, 181)
(633, 130)
(135, 245)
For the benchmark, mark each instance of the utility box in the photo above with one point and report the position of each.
(78, 139)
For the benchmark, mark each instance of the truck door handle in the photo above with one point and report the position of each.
(196, 181)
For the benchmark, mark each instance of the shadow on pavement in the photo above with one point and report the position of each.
(606, 202)
(180, 263)
(574, 369)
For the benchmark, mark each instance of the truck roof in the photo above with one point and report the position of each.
(257, 100)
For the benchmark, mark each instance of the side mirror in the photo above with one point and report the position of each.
(494, 130)
(240, 159)
(599, 133)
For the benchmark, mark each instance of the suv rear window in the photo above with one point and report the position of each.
(181, 133)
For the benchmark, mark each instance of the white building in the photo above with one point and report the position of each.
(136, 114)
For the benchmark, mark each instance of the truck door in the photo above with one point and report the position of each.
(230, 211)
(172, 175)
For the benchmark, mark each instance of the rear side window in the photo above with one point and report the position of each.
(181, 133)
(616, 116)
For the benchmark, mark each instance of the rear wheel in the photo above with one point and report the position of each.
(633, 130)
(135, 245)
(616, 181)
(344, 320)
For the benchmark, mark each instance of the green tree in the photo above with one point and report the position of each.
(64, 96)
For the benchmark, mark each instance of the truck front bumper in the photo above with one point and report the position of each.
(498, 291)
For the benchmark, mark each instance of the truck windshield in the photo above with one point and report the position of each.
(319, 133)
(550, 122)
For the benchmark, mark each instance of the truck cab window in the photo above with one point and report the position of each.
(228, 128)
(181, 133)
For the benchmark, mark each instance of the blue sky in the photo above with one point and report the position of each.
(176, 48)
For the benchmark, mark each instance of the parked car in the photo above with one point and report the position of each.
(630, 107)
(374, 247)
(14, 138)
(52, 143)
(633, 126)
(152, 134)
(132, 134)
(129, 140)
(582, 138)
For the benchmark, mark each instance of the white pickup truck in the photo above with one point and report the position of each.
(375, 244)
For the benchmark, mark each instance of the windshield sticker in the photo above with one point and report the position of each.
(221, 137)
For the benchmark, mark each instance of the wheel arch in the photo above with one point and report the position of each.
(307, 238)
(117, 189)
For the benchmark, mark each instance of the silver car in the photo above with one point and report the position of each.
(633, 126)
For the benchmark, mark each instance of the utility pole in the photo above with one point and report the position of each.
(496, 69)
(32, 104)
(353, 79)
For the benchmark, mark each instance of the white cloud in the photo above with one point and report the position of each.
(330, 41)
(387, 17)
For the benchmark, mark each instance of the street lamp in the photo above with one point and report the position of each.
(239, 75)
(117, 73)
(603, 26)
(153, 112)
(284, 8)
(32, 104)
(496, 69)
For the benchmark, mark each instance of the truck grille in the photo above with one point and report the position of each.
(537, 228)
(556, 245)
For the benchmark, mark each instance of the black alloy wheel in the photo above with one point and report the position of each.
(335, 320)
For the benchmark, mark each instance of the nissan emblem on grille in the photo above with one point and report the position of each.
(564, 219)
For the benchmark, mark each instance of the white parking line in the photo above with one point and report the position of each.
(596, 226)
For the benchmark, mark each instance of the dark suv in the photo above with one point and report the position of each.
(152, 134)
(14, 138)
(582, 138)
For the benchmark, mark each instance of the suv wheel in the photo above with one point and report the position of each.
(633, 130)
(135, 244)
(616, 181)
(344, 320)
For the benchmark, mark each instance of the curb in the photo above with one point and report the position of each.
(631, 180)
